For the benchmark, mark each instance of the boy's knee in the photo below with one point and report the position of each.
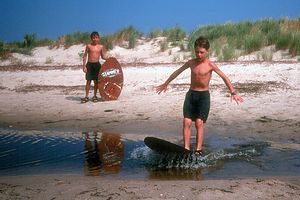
(88, 82)
(187, 122)
(199, 123)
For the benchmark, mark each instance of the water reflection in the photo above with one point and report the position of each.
(103, 154)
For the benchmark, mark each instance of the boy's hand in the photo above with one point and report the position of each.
(161, 88)
(84, 69)
(237, 99)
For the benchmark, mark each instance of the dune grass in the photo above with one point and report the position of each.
(228, 41)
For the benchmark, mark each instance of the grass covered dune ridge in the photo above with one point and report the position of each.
(228, 41)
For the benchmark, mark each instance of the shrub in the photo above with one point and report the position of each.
(266, 55)
(155, 33)
(132, 40)
(107, 42)
(76, 38)
(164, 45)
(253, 42)
(216, 49)
(43, 42)
(294, 48)
(174, 35)
(283, 41)
(228, 53)
(49, 60)
(29, 40)
(266, 26)
(272, 36)
(4, 53)
(126, 34)
(249, 36)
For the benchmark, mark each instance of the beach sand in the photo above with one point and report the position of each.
(48, 98)
(78, 187)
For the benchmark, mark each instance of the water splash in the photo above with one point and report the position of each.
(164, 161)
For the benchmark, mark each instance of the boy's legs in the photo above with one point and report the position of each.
(200, 134)
(95, 87)
(187, 132)
(87, 88)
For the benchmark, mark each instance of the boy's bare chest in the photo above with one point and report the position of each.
(201, 70)
(94, 48)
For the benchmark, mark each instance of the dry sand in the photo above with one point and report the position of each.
(47, 97)
(78, 187)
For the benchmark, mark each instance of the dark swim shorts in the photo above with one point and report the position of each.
(92, 71)
(196, 105)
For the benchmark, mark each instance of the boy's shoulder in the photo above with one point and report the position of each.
(192, 61)
(100, 46)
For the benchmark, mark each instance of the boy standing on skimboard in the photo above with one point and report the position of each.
(197, 101)
(91, 65)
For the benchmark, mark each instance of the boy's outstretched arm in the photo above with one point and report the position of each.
(227, 82)
(163, 87)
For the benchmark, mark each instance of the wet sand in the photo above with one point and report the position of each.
(45, 100)
(78, 187)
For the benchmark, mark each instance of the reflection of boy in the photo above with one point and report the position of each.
(93, 163)
(91, 65)
(197, 101)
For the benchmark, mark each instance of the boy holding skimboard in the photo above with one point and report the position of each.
(91, 65)
(197, 101)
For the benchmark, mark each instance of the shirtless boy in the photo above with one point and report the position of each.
(197, 101)
(91, 65)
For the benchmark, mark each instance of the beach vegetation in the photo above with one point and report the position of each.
(129, 35)
(29, 40)
(76, 38)
(228, 41)
(132, 40)
(49, 60)
(175, 35)
(25, 47)
(253, 42)
(81, 54)
(4, 52)
(294, 48)
(228, 53)
(107, 41)
(164, 45)
(265, 55)
(155, 33)
(247, 37)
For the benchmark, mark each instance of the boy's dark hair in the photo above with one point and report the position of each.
(202, 42)
(95, 33)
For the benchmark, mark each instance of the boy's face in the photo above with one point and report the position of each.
(95, 39)
(201, 53)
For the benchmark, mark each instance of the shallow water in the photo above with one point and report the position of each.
(116, 156)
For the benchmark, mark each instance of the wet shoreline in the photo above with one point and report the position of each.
(79, 154)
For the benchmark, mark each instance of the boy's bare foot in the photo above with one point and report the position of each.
(199, 152)
(84, 100)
